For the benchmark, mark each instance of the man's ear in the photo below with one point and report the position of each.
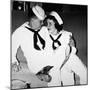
(30, 22)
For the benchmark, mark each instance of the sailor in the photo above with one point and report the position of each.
(28, 38)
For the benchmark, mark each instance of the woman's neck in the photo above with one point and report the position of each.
(55, 33)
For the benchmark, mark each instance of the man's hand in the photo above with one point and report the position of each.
(16, 67)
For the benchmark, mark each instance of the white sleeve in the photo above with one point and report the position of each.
(15, 45)
(72, 44)
(65, 38)
(78, 67)
(67, 51)
(74, 50)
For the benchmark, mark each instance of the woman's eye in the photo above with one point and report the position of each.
(49, 24)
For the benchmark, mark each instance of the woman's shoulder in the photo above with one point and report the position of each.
(66, 33)
(65, 38)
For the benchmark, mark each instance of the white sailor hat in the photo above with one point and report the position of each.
(39, 12)
(57, 17)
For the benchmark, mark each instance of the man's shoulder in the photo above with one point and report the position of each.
(21, 29)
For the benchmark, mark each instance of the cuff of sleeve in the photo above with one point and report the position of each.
(74, 50)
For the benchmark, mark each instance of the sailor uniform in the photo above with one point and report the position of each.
(64, 69)
(58, 56)
(23, 37)
(36, 36)
(55, 41)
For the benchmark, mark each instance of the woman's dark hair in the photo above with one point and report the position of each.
(57, 25)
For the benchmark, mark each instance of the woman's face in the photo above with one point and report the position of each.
(51, 27)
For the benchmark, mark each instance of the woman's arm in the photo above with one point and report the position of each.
(72, 44)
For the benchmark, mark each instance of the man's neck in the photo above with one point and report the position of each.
(36, 29)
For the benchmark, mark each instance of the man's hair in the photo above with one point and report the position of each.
(57, 25)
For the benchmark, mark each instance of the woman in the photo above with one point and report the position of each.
(63, 54)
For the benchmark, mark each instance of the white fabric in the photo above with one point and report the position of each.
(75, 65)
(57, 56)
(74, 50)
(24, 38)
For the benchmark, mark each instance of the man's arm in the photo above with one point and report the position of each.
(14, 49)
(72, 41)
(15, 46)
(72, 44)
(71, 47)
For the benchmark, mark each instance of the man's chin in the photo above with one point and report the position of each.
(36, 28)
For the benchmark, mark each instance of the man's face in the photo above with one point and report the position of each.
(35, 23)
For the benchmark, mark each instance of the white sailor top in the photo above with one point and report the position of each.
(56, 56)
(22, 37)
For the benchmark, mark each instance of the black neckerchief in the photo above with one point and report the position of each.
(55, 41)
(36, 36)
